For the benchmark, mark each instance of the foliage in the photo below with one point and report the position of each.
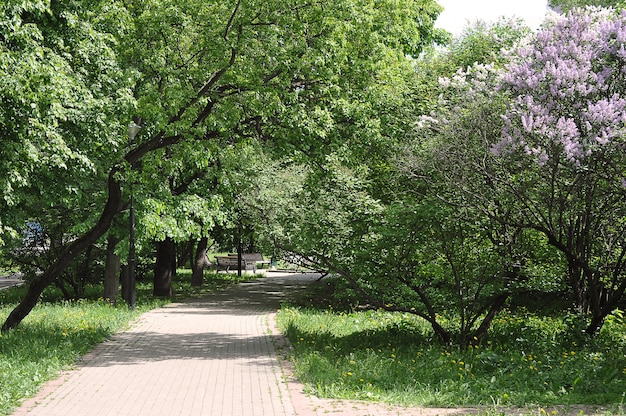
(563, 135)
(209, 75)
(244, 168)
(479, 43)
(61, 84)
(351, 213)
(414, 254)
(527, 360)
(535, 145)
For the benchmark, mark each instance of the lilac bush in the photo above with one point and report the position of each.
(564, 130)
(538, 146)
(568, 84)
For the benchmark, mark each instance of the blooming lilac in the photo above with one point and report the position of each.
(567, 89)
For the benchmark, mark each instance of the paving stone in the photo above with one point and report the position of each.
(212, 356)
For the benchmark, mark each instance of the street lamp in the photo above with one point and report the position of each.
(133, 129)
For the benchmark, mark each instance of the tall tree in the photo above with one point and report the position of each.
(62, 93)
(352, 213)
(237, 69)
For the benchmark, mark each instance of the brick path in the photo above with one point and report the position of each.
(218, 356)
(215, 356)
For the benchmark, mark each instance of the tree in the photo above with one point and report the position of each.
(538, 147)
(353, 214)
(237, 69)
(61, 84)
(488, 258)
(564, 135)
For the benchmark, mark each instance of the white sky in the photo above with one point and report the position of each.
(457, 13)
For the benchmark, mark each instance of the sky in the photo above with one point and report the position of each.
(457, 12)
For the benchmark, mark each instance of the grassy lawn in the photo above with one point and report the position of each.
(58, 332)
(529, 360)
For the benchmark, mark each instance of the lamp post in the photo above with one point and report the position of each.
(133, 129)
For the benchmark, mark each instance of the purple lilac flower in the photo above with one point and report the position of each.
(565, 83)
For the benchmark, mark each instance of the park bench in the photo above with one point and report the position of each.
(228, 262)
(256, 259)
(249, 261)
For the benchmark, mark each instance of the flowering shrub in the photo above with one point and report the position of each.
(568, 84)
(568, 114)
(538, 145)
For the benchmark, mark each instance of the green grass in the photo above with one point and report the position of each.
(57, 332)
(528, 361)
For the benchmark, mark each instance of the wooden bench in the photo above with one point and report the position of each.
(226, 262)
(256, 259)
(249, 261)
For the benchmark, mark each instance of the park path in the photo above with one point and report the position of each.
(11, 280)
(215, 356)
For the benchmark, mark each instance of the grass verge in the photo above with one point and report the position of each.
(529, 361)
(58, 332)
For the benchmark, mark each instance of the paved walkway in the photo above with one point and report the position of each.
(218, 356)
(10, 280)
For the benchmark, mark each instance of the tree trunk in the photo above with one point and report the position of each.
(111, 272)
(40, 282)
(608, 306)
(251, 248)
(239, 250)
(200, 263)
(125, 280)
(165, 256)
(496, 306)
(59, 284)
(174, 264)
(84, 273)
(185, 253)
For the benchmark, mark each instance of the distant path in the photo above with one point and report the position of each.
(11, 280)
